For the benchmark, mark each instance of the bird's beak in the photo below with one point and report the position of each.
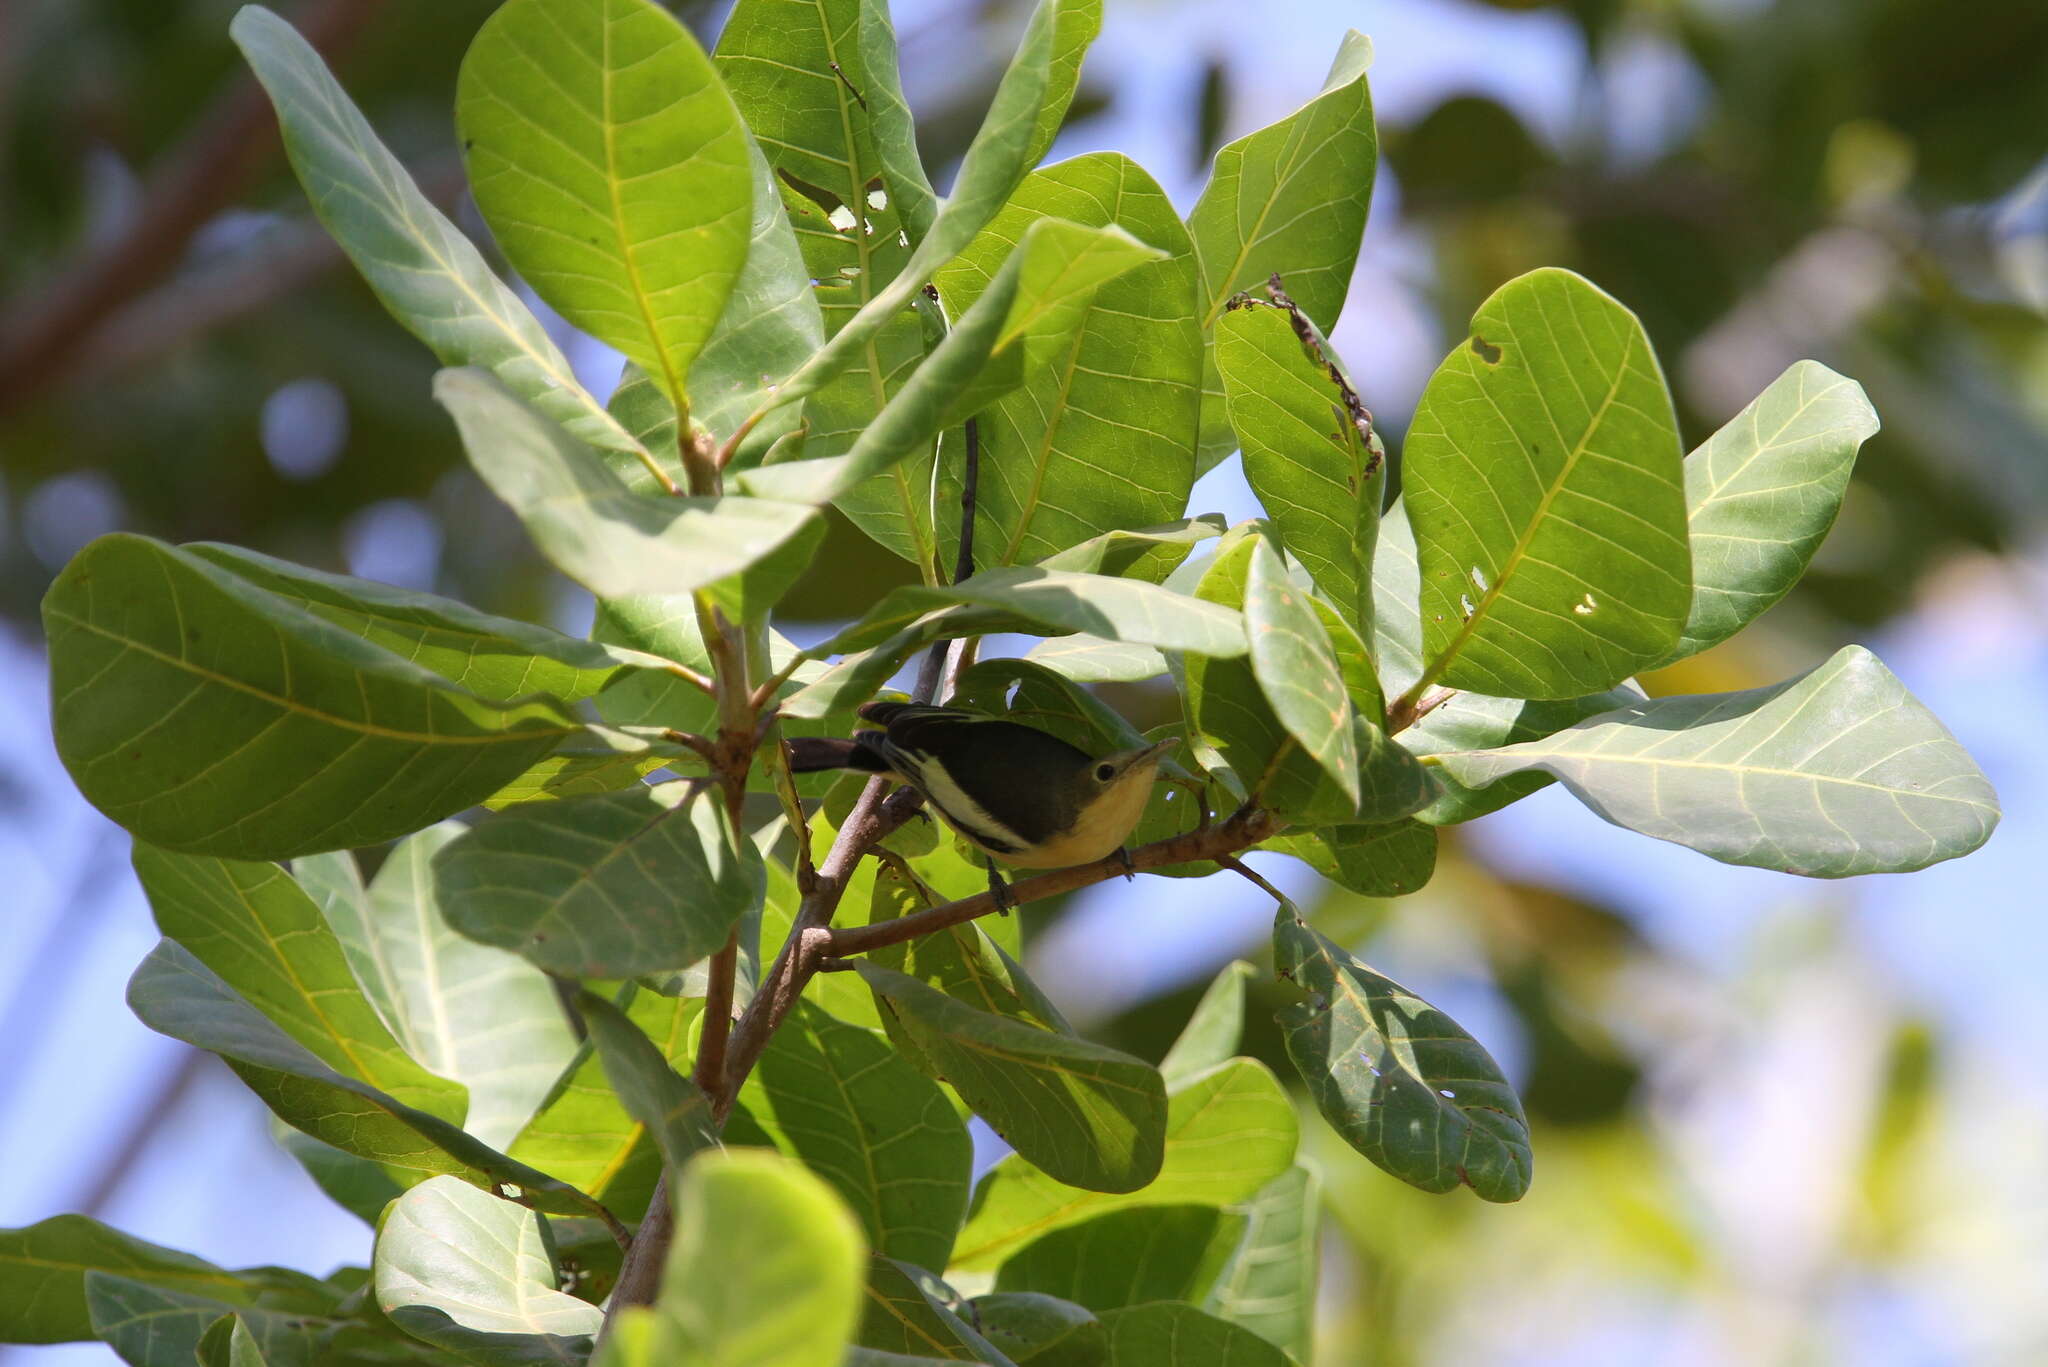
(1151, 754)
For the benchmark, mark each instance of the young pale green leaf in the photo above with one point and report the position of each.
(44, 1267)
(1543, 481)
(1090, 1115)
(176, 995)
(472, 1274)
(1397, 1078)
(266, 938)
(1036, 1330)
(1313, 470)
(906, 1317)
(630, 883)
(839, 1098)
(668, 1105)
(639, 1336)
(1296, 666)
(1167, 1334)
(962, 961)
(1291, 200)
(208, 716)
(1147, 553)
(1228, 1132)
(1390, 860)
(766, 1266)
(1101, 435)
(1269, 1284)
(497, 657)
(585, 519)
(1211, 1034)
(612, 167)
(480, 1016)
(1838, 772)
(431, 277)
(1129, 1257)
(603, 760)
(1761, 494)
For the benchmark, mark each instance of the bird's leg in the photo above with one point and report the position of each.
(997, 888)
(1123, 857)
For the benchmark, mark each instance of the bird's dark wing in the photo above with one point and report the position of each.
(1008, 785)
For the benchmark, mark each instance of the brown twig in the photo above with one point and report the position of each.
(1406, 710)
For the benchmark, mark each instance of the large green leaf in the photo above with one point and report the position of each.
(473, 1274)
(261, 932)
(1210, 1037)
(1166, 1334)
(478, 1015)
(1390, 860)
(1762, 492)
(1289, 199)
(585, 519)
(1101, 436)
(766, 1266)
(1228, 1132)
(44, 1267)
(1297, 669)
(612, 167)
(964, 961)
(1129, 1257)
(1076, 24)
(176, 995)
(1035, 1330)
(352, 1182)
(426, 272)
(1269, 1283)
(1543, 481)
(208, 716)
(668, 1105)
(1397, 1078)
(906, 1311)
(1840, 771)
(1092, 1115)
(1303, 454)
(628, 883)
(839, 1098)
(152, 1326)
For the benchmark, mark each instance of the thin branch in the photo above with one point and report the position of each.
(1239, 867)
(1404, 711)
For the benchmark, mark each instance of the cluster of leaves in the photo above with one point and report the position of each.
(502, 1046)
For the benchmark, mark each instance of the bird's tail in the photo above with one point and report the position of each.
(811, 754)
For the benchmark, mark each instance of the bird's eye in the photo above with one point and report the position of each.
(1104, 772)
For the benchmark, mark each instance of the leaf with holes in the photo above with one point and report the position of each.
(470, 1273)
(1398, 1079)
(1228, 1132)
(612, 167)
(210, 717)
(480, 1016)
(1543, 482)
(1838, 772)
(630, 883)
(1761, 494)
(430, 276)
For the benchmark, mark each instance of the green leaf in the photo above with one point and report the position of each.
(477, 1015)
(354, 1183)
(1228, 1132)
(1303, 454)
(639, 1336)
(243, 1349)
(1390, 860)
(962, 961)
(1543, 482)
(584, 518)
(618, 886)
(668, 1105)
(473, 1274)
(1091, 659)
(612, 167)
(1762, 492)
(1296, 666)
(907, 1311)
(1129, 1257)
(1092, 1115)
(766, 1266)
(841, 1100)
(496, 657)
(1269, 1284)
(1036, 1330)
(1164, 1334)
(1211, 1034)
(1395, 1076)
(1076, 24)
(431, 277)
(1290, 199)
(894, 128)
(44, 1267)
(1038, 697)
(147, 1326)
(1101, 436)
(603, 760)
(1147, 553)
(176, 995)
(257, 929)
(210, 717)
(1838, 772)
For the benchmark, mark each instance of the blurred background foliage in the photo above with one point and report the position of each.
(1791, 1135)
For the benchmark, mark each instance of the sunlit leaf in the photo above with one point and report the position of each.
(1166, 1334)
(1211, 1034)
(1129, 1257)
(1269, 1283)
(669, 1106)
(1390, 860)
(1037, 1330)
(907, 1313)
